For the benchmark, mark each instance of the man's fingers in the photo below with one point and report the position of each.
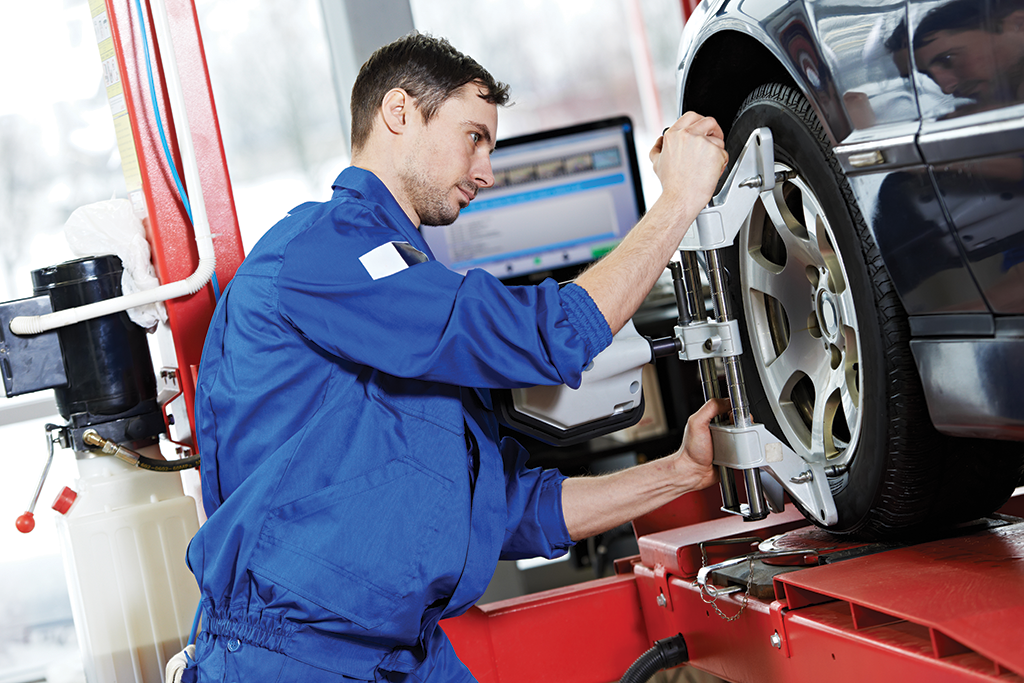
(713, 408)
(696, 123)
(656, 149)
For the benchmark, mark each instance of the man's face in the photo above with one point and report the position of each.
(961, 63)
(450, 158)
(984, 66)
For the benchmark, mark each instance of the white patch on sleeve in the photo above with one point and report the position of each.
(391, 258)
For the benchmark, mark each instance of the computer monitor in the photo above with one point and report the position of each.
(561, 199)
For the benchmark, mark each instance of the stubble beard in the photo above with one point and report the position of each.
(430, 201)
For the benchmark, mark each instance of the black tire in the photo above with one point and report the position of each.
(849, 385)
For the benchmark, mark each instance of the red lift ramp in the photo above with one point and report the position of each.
(958, 599)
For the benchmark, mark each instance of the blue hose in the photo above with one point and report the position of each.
(163, 136)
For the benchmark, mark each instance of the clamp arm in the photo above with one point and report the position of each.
(753, 173)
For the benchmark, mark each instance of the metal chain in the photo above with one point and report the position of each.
(712, 600)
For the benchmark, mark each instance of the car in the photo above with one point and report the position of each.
(880, 286)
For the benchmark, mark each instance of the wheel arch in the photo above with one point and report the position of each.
(729, 64)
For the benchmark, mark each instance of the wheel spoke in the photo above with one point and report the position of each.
(848, 314)
(851, 408)
(837, 279)
(825, 386)
(801, 242)
(803, 355)
(789, 286)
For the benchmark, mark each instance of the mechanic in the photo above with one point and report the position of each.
(356, 487)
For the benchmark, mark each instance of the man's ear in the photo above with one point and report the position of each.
(395, 109)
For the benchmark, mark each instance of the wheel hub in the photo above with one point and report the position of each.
(828, 315)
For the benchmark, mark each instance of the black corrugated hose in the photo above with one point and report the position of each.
(665, 654)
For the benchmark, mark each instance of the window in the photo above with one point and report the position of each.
(270, 68)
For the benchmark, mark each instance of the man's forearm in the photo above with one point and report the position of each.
(688, 158)
(593, 505)
(619, 282)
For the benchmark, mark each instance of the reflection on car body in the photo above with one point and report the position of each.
(973, 51)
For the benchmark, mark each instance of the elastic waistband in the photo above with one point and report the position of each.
(269, 633)
(334, 653)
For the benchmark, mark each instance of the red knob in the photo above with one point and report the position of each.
(65, 499)
(26, 522)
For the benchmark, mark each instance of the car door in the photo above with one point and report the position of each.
(867, 46)
(968, 58)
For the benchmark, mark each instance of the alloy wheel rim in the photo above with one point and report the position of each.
(801, 321)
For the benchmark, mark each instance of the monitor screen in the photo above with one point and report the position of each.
(561, 199)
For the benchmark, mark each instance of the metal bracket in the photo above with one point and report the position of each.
(744, 448)
(662, 578)
(753, 173)
(779, 639)
(709, 339)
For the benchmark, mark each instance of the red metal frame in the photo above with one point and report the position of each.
(948, 610)
(167, 226)
(550, 636)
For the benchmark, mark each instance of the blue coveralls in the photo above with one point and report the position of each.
(356, 489)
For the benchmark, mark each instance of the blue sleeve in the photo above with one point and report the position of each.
(536, 525)
(427, 322)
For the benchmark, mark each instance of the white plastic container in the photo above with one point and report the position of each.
(123, 540)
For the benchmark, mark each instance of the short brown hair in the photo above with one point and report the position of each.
(427, 68)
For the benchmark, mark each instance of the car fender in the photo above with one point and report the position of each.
(779, 28)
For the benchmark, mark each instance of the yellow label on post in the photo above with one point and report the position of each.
(118, 107)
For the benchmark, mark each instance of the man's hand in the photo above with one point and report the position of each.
(688, 158)
(593, 505)
(693, 460)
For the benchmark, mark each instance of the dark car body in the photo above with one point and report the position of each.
(938, 175)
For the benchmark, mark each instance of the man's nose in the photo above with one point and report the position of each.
(946, 80)
(483, 175)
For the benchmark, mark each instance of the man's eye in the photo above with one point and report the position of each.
(476, 138)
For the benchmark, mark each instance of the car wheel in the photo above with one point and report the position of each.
(827, 360)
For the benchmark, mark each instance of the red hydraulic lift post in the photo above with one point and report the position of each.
(688, 7)
(167, 225)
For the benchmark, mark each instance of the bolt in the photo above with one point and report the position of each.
(803, 477)
(776, 640)
(661, 600)
(754, 181)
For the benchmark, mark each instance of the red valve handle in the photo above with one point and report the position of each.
(26, 522)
